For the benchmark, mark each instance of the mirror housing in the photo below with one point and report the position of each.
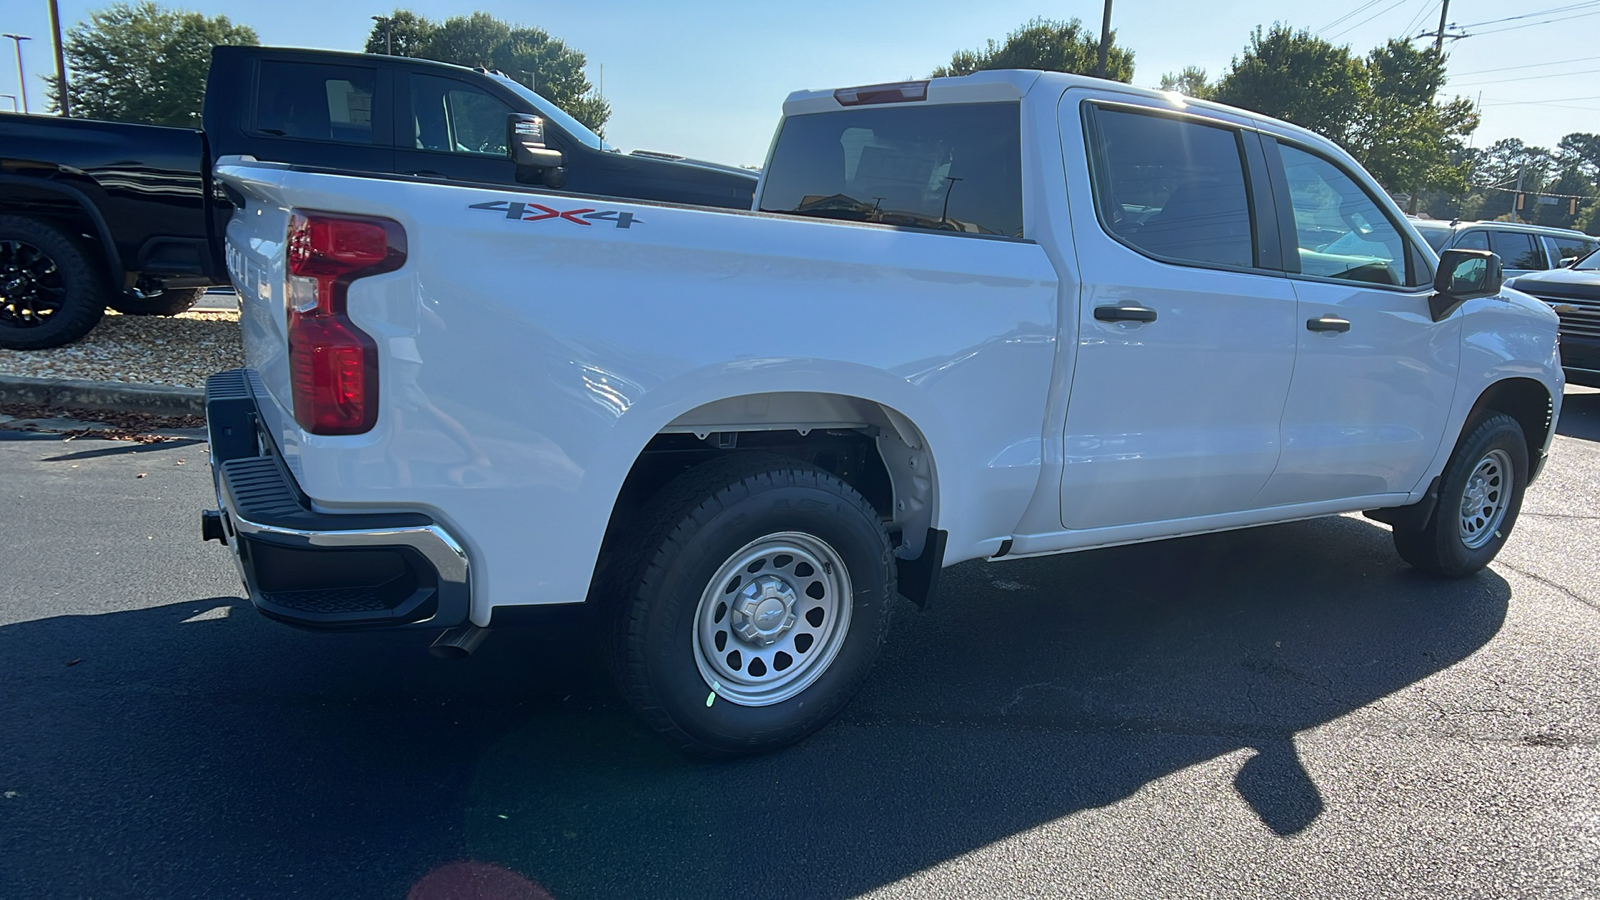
(525, 137)
(1463, 275)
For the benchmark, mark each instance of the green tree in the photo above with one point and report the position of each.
(402, 33)
(1047, 44)
(144, 63)
(1581, 151)
(1191, 82)
(1409, 142)
(526, 54)
(1294, 76)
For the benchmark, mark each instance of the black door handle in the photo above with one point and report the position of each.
(1328, 323)
(1124, 314)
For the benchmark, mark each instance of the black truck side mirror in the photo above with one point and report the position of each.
(1463, 275)
(525, 137)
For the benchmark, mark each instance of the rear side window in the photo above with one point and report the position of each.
(325, 103)
(1172, 188)
(1517, 250)
(951, 167)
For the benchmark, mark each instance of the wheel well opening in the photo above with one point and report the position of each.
(1522, 399)
(53, 209)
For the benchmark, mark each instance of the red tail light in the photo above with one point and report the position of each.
(333, 365)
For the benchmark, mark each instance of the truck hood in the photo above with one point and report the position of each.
(1560, 283)
(1532, 305)
(707, 165)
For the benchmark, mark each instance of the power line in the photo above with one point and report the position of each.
(1417, 19)
(1561, 62)
(1545, 22)
(1385, 11)
(1542, 12)
(1524, 78)
(1353, 12)
(1534, 102)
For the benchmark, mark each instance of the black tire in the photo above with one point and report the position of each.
(52, 289)
(697, 526)
(1449, 544)
(167, 303)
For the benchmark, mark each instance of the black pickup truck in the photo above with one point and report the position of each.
(96, 214)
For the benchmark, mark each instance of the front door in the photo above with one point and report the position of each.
(1375, 375)
(1186, 323)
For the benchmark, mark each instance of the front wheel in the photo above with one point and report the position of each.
(757, 605)
(1480, 495)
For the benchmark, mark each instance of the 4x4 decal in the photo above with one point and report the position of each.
(538, 212)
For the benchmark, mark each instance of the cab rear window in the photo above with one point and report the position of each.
(950, 167)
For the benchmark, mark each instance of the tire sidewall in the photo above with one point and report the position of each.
(83, 281)
(1454, 555)
(673, 595)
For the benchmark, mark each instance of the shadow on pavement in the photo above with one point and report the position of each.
(196, 752)
(1580, 415)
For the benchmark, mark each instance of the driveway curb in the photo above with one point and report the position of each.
(108, 396)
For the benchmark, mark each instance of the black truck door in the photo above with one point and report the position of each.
(329, 115)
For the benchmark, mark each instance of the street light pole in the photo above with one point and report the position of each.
(1105, 42)
(22, 78)
(61, 62)
(388, 34)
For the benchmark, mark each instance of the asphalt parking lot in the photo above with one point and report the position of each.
(1287, 711)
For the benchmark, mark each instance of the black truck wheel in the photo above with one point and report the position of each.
(1480, 495)
(759, 596)
(51, 290)
(165, 303)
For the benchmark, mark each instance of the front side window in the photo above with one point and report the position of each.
(1517, 249)
(1173, 188)
(950, 167)
(327, 103)
(1343, 232)
(1473, 240)
(450, 116)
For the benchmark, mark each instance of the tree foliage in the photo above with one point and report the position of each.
(1048, 44)
(1191, 82)
(1381, 107)
(526, 54)
(144, 63)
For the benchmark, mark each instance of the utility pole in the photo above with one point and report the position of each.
(1438, 39)
(388, 34)
(1105, 42)
(61, 62)
(22, 78)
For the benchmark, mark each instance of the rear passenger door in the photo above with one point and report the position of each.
(1519, 252)
(1186, 324)
(332, 116)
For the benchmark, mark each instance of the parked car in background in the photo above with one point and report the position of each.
(1574, 293)
(1522, 248)
(122, 215)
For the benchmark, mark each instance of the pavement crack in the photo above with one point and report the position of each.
(1552, 584)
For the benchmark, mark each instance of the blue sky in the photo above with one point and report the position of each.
(707, 77)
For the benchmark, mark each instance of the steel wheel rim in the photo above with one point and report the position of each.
(1485, 499)
(31, 286)
(772, 619)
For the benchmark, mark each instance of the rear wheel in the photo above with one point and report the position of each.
(757, 602)
(51, 293)
(169, 302)
(1480, 495)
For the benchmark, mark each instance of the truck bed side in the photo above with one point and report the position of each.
(532, 345)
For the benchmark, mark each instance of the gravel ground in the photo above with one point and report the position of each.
(179, 351)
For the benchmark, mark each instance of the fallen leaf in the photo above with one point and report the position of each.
(142, 474)
(73, 662)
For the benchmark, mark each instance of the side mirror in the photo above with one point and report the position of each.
(1566, 262)
(1463, 275)
(525, 137)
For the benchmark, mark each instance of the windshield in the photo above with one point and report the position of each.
(1435, 235)
(555, 114)
(1590, 263)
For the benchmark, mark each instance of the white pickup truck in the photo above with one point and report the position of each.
(990, 317)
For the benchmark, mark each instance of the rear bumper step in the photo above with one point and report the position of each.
(318, 569)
